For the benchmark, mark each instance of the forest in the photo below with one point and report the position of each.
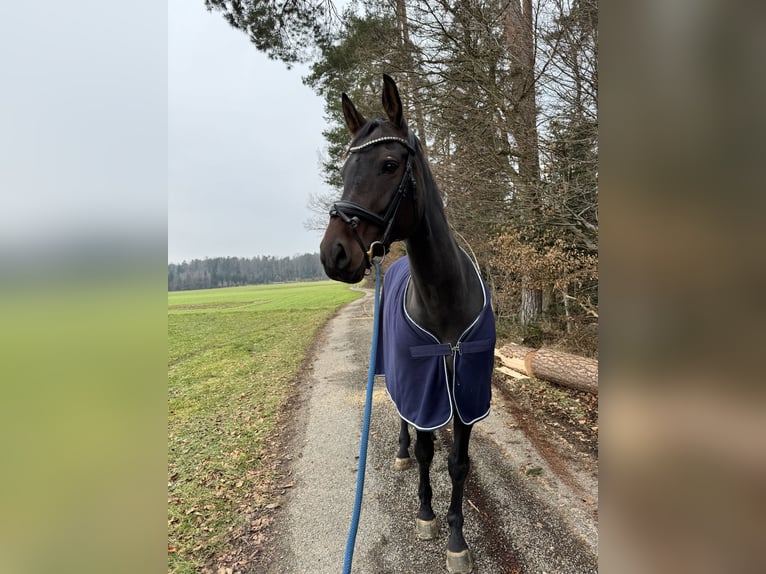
(503, 96)
(232, 271)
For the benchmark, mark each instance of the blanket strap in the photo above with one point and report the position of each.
(444, 349)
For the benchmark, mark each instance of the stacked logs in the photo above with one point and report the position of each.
(565, 369)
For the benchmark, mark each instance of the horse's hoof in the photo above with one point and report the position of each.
(402, 463)
(426, 529)
(459, 562)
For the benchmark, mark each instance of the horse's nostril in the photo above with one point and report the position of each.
(339, 256)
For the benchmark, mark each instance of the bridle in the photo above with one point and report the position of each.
(352, 213)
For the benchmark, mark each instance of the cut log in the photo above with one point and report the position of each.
(511, 363)
(565, 369)
(514, 351)
(572, 371)
(512, 373)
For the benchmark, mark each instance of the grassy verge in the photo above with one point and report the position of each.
(233, 354)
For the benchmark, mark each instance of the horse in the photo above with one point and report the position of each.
(437, 327)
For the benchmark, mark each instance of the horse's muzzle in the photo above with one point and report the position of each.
(341, 258)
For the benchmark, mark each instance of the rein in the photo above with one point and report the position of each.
(352, 213)
(354, 526)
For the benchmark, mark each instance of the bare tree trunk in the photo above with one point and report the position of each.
(567, 312)
(411, 78)
(549, 300)
(519, 31)
(531, 303)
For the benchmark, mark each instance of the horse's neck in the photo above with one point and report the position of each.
(446, 294)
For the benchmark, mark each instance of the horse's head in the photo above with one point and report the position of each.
(379, 203)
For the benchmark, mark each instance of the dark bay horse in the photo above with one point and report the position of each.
(438, 330)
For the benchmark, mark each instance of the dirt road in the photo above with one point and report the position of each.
(526, 511)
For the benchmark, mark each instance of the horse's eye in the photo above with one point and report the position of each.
(389, 166)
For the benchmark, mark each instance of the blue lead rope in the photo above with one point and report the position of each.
(351, 541)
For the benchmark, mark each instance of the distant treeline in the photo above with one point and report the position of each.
(232, 271)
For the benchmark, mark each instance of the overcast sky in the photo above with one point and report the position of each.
(244, 143)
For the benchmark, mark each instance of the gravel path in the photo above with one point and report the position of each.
(524, 512)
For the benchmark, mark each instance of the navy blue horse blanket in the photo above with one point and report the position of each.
(414, 361)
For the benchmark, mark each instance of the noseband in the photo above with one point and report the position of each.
(352, 213)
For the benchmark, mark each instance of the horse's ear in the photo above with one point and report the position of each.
(354, 120)
(392, 104)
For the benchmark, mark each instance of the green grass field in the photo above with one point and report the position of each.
(232, 355)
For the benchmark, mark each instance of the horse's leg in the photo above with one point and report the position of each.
(458, 556)
(403, 459)
(426, 525)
